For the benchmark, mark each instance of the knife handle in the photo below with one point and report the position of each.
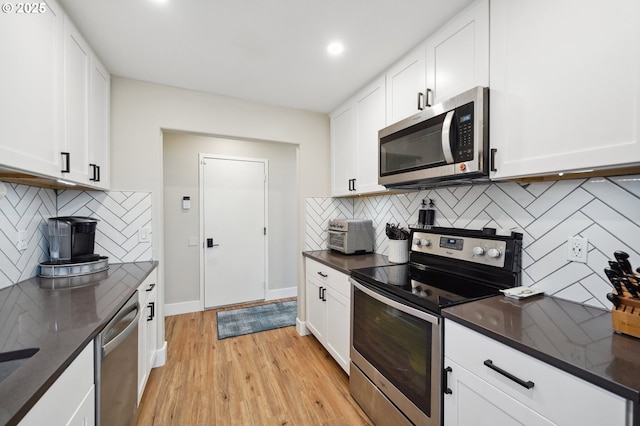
(623, 261)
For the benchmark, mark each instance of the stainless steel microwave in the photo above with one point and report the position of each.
(442, 144)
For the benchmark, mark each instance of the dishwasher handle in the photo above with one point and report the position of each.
(113, 343)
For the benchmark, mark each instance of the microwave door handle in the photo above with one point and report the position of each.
(446, 144)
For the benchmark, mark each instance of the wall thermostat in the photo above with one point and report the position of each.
(186, 202)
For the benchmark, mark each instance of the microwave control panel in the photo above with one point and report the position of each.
(463, 151)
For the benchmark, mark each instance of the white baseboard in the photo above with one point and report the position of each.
(195, 305)
(301, 327)
(281, 293)
(182, 308)
(161, 356)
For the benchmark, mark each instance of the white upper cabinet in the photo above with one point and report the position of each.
(99, 111)
(370, 118)
(565, 86)
(343, 149)
(55, 98)
(451, 61)
(31, 85)
(77, 69)
(458, 54)
(406, 86)
(354, 142)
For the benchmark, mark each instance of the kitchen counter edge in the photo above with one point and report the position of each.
(346, 262)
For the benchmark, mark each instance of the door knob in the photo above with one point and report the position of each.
(210, 243)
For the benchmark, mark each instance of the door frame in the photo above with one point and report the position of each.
(265, 161)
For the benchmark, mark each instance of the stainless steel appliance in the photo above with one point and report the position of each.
(116, 351)
(396, 325)
(350, 235)
(447, 142)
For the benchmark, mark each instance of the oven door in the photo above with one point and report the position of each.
(399, 350)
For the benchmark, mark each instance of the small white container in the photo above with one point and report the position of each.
(398, 251)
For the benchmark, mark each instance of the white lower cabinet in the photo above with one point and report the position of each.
(481, 395)
(71, 398)
(328, 309)
(147, 330)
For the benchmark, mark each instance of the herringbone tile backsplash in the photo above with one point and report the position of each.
(606, 211)
(27, 208)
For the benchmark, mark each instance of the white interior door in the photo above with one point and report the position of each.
(234, 221)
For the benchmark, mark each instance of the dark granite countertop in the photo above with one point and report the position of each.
(346, 262)
(61, 322)
(572, 337)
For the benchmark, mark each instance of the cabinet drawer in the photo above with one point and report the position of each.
(145, 289)
(555, 394)
(329, 277)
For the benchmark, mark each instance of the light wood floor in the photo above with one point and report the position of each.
(275, 377)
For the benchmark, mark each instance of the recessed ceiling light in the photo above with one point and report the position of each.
(335, 48)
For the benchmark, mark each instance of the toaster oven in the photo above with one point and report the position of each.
(350, 236)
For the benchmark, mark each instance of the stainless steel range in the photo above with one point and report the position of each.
(396, 325)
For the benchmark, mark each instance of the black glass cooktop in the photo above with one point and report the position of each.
(425, 288)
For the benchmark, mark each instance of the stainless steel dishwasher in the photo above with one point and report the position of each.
(116, 352)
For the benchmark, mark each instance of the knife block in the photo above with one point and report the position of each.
(626, 317)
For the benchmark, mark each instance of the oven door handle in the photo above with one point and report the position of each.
(396, 305)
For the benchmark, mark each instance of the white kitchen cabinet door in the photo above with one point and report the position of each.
(316, 309)
(147, 330)
(31, 86)
(69, 399)
(565, 86)
(343, 150)
(77, 69)
(406, 86)
(370, 118)
(338, 327)
(473, 401)
(99, 112)
(458, 54)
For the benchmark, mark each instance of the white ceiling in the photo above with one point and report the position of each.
(268, 51)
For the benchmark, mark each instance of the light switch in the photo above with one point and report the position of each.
(144, 235)
(22, 240)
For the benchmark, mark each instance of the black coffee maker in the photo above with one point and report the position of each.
(71, 239)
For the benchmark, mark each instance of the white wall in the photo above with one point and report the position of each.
(140, 111)
(181, 173)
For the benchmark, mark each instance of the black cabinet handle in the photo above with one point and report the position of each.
(323, 275)
(445, 381)
(320, 293)
(493, 160)
(428, 99)
(94, 173)
(152, 314)
(66, 161)
(420, 99)
(354, 184)
(350, 184)
(324, 291)
(528, 384)
(97, 174)
(151, 286)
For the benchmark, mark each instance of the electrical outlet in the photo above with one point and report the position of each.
(578, 248)
(22, 240)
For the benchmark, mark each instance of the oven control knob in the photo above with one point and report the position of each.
(425, 243)
(416, 241)
(478, 251)
(494, 253)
